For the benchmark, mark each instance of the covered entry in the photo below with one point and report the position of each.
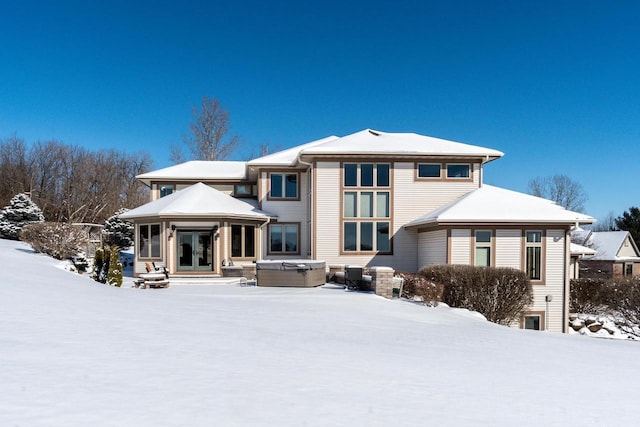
(195, 250)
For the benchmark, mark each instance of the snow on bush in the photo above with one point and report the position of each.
(20, 212)
(59, 240)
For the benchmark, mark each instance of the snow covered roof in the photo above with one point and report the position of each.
(201, 170)
(370, 141)
(287, 157)
(198, 200)
(608, 245)
(490, 204)
(581, 250)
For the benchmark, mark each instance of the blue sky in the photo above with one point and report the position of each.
(554, 85)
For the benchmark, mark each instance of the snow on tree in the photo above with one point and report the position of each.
(118, 231)
(20, 212)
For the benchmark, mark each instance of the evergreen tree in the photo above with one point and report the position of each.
(118, 231)
(630, 221)
(114, 276)
(20, 212)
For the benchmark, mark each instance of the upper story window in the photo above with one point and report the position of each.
(166, 189)
(533, 254)
(366, 174)
(283, 185)
(429, 170)
(455, 170)
(243, 190)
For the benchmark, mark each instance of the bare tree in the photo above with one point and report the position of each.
(209, 139)
(262, 150)
(70, 183)
(608, 223)
(561, 189)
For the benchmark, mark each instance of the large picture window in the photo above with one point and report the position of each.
(243, 241)
(366, 209)
(284, 239)
(283, 185)
(149, 241)
(533, 254)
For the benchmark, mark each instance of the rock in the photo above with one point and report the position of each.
(594, 327)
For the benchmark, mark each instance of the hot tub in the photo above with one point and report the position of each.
(299, 273)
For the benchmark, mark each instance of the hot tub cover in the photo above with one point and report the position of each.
(290, 264)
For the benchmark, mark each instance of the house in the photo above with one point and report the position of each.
(614, 253)
(371, 198)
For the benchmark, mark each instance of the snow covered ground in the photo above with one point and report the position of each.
(74, 352)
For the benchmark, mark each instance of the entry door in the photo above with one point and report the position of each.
(195, 250)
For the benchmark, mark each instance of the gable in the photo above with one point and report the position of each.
(627, 249)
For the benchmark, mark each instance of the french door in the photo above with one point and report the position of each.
(195, 250)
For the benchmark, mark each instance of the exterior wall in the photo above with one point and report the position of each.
(432, 248)
(592, 269)
(508, 248)
(460, 246)
(226, 188)
(411, 198)
(556, 272)
(627, 250)
(289, 211)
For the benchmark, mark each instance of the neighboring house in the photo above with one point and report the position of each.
(371, 198)
(615, 253)
(578, 252)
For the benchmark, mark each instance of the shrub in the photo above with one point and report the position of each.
(623, 297)
(590, 296)
(59, 240)
(114, 275)
(500, 294)
(416, 285)
(20, 212)
(98, 264)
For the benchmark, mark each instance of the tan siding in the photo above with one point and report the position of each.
(626, 250)
(413, 199)
(555, 256)
(328, 212)
(291, 211)
(432, 248)
(509, 248)
(460, 246)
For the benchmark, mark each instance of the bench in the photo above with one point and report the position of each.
(151, 280)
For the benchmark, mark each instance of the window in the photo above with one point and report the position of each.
(283, 239)
(149, 241)
(166, 189)
(483, 248)
(283, 185)
(243, 241)
(458, 171)
(429, 170)
(366, 174)
(532, 322)
(533, 254)
(366, 209)
(628, 269)
(243, 190)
